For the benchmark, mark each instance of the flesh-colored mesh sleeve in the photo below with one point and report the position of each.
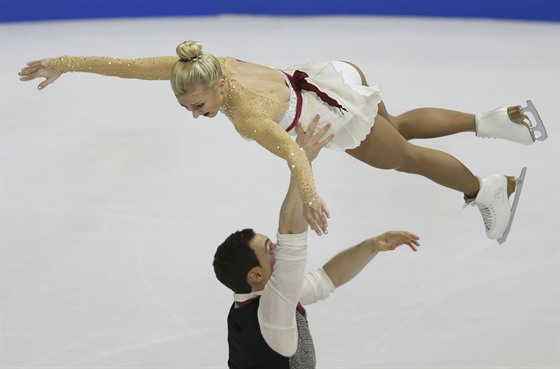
(276, 140)
(155, 68)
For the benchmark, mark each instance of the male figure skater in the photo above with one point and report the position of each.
(267, 325)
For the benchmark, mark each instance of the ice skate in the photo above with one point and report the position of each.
(518, 187)
(493, 202)
(512, 124)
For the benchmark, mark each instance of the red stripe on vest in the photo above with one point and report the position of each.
(240, 304)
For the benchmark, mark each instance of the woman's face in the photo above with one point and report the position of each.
(203, 102)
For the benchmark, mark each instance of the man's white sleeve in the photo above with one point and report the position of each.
(317, 286)
(277, 307)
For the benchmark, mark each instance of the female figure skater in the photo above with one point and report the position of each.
(264, 104)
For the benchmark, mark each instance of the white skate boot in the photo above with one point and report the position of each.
(511, 124)
(493, 202)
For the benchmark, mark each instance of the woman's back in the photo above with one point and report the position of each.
(259, 78)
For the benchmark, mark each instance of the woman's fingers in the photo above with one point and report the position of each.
(310, 217)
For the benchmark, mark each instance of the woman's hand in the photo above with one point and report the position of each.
(316, 215)
(38, 69)
(312, 142)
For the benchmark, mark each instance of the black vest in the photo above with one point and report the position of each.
(248, 349)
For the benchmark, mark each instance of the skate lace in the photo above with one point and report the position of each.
(488, 216)
(487, 212)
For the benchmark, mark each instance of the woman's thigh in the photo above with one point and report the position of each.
(384, 147)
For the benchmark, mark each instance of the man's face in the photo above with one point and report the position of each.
(265, 250)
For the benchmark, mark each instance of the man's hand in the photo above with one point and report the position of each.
(310, 141)
(389, 241)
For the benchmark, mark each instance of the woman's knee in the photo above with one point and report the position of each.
(409, 157)
(403, 125)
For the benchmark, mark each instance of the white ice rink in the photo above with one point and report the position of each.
(114, 200)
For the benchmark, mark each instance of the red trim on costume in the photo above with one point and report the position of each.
(299, 83)
(246, 302)
(240, 304)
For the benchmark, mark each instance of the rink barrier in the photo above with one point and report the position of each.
(41, 10)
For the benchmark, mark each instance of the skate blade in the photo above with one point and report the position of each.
(518, 187)
(539, 128)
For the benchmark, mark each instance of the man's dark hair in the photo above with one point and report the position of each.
(233, 260)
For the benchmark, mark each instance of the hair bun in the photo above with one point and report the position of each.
(189, 50)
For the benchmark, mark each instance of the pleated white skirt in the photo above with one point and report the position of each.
(339, 81)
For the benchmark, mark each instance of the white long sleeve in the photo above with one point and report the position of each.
(287, 286)
(280, 297)
(317, 286)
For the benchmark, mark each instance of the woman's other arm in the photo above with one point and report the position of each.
(153, 68)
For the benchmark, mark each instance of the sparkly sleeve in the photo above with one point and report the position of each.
(275, 139)
(155, 68)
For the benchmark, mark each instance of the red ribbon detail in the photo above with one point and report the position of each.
(299, 83)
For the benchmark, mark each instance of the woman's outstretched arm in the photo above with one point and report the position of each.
(153, 68)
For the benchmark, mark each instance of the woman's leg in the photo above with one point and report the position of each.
(385, 148)
(510, 123)
(425, 122)
(429, 122)
(507, 123)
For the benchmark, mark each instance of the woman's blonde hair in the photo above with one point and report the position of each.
(194, 69)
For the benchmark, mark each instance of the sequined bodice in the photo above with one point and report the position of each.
(290, 113)
(260, 116)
